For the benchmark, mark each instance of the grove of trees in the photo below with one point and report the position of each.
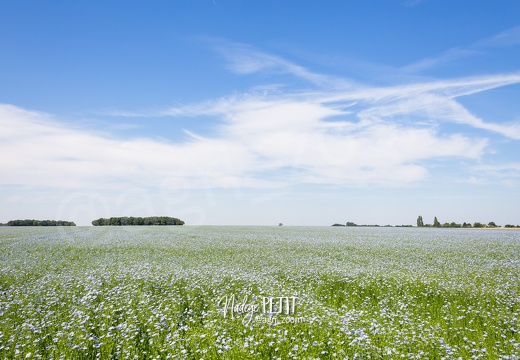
(124, 221)
(40, 223)
(453, 224)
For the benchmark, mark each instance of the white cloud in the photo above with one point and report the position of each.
(434, 101)
(43, 152)
(260, 144)
(347, 134)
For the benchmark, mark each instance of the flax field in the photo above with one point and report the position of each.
(186, 292)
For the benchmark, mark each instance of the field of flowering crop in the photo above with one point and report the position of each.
(259, 292)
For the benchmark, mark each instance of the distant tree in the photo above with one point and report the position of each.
(125, 221)
(436, 222)
(420, 222)
(28, 222)
(453, 224)
(171, 221)
(104, 222)
(478, 225)
(492, 224)
(349, 223)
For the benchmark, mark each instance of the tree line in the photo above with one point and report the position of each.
(125, 220)
(436, 223)
(350, 223)
(28, 222)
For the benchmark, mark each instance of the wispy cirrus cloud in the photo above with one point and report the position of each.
(412, 3)
(504, 173)
(244, 59)
(511, 169)
(435, 101)
(510, 37)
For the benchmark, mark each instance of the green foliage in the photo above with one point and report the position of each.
(349, 223)
(40, 223)
(125, 221)
(453, 224)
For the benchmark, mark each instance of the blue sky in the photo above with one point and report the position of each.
(260, 112)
